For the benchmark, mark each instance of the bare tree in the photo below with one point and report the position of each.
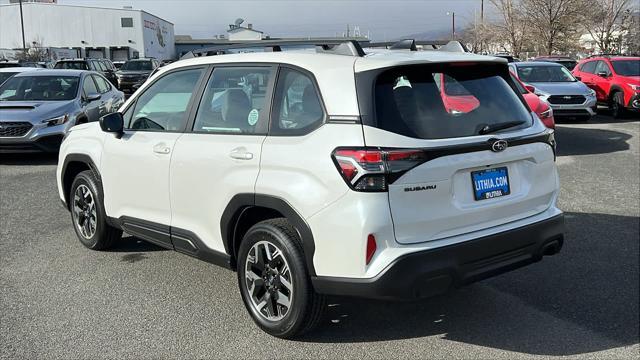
(35, 52)
(555, 22)
(605, 23)
(512, 26)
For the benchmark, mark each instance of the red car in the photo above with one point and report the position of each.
(458, 100)
(615, 79)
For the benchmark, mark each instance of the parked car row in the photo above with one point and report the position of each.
(39, 106)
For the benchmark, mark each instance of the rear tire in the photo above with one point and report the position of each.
(88, 215)
(274, 281)
(616, 105)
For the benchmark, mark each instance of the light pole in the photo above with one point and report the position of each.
(453, 24)
(24, 44)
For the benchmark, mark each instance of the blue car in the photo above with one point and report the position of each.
(37, 108)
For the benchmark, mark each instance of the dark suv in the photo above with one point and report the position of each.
(103, 66)
(134, 73)
(615, 79)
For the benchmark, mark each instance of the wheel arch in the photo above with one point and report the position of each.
(72, 166)
(245, 210)
(614, 89)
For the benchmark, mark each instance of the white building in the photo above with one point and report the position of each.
(237, 32)
(117, 34)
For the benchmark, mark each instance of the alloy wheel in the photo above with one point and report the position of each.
(84, 211)
(268, 281)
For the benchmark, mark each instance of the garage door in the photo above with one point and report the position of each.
(95, 54)
(120, 54)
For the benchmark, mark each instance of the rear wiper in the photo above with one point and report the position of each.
(488, 129)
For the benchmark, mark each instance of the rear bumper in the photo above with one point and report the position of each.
(432, 272)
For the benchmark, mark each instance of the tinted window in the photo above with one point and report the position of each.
(518, 85)
(439, 101)
(138, 65)
(297, 104)
(103, 84)
(89, 87)
(42, 88)
(626, 67)
(589, 67)
(5, 75)
(602, 67)
(544, 73)
(77, 65)
(163, 106)
(234, 101)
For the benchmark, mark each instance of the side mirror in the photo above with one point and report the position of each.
(531, 88)
(603, 74)
(92, 97)
(113, 123)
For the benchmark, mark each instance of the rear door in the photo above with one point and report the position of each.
(449, 172)
(219, 155)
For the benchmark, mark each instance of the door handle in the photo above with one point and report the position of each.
(240, 154)
(161, 148)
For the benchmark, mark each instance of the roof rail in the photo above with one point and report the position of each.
(338, 47)
(412, 44)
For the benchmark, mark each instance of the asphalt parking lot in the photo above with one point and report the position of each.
(59, 300)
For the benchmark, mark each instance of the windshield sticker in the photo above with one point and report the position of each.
(252, 118)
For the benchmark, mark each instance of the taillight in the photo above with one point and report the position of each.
(373, 169)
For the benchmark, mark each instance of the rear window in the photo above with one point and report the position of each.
(436, 102)
(75, 65)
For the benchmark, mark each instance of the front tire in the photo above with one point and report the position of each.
(88, 215)
(616, 105)
(274, 281)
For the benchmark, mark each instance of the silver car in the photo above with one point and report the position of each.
(37, 108)
(568, 97)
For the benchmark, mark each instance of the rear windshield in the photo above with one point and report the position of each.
(626, 67)
(137, 65)
(435, 102)
(75, 65)
(39, 88)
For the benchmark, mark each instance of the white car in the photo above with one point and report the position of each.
(323, 172)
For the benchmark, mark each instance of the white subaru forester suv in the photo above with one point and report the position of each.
(323, 171)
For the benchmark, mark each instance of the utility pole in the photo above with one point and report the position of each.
(453, 25)
(482, 12)
(24, 44)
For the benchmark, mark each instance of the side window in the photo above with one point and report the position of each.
(89, 86)
(297, 105)
(234, 101)
(589, 67)
(163, 105)
(103, 84)
(602, 67)
(92, 65)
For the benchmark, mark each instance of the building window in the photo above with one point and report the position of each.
(126, 22)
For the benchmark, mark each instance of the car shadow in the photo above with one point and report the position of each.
(583, 141)
(582, 300)
(131, 244)
(28, 159)
(604, 117)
